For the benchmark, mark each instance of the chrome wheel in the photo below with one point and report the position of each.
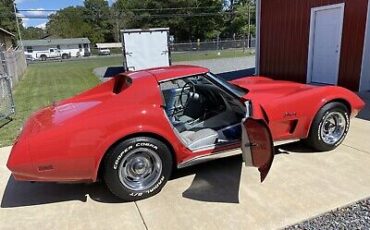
(140, 169)
(333, 127)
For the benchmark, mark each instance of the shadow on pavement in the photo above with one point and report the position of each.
(215, 181)
(219, 181)
(19, 194)
(296, 147)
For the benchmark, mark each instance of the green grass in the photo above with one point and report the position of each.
(44, 83)
(204, 55)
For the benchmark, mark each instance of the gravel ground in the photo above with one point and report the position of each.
(356, 216)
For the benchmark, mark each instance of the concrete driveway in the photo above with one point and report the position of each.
(218, 195)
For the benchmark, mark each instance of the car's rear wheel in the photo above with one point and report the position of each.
(329, 127)
(137, 168)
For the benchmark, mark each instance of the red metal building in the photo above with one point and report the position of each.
(315, 41)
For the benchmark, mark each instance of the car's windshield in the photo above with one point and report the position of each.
(236, 90)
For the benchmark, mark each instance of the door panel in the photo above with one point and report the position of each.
(325, 41)
(257, 145)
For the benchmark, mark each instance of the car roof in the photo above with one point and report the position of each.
(176, 71)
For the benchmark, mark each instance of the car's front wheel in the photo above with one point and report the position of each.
(137, 168)
(329, 127)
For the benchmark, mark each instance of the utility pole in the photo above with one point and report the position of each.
(249, 24)
(18, 27)
(117, 26)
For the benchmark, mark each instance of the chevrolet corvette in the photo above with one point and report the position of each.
(133, 130)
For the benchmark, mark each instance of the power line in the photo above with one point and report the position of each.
(134, 9)
(221, 13)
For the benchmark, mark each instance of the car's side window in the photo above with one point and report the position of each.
(201, 112)
(176, 92)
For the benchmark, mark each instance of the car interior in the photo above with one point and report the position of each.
(203, 114)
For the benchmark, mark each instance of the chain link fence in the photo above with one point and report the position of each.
(6, 100)
(12, 67)
(214, 45)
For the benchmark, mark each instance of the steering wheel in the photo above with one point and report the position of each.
(189, 94)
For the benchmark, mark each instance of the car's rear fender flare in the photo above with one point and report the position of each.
(135, 133)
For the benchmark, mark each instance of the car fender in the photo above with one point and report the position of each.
(290, 115)
(144, 126)
(337, 94)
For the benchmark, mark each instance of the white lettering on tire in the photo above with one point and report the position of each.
(345, 131)
(152, 189)
(116, 162)
(146, 144)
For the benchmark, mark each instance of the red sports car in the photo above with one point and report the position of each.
(134, 129)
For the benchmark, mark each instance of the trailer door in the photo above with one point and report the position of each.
(145, 48)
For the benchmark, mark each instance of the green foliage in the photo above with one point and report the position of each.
(184, 18)
(7, 16)
(33, 33)
(70, 22)
(188, 20)
(97, 14)
(91, 20)
(238, 22)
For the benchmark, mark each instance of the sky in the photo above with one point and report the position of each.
(42, 5)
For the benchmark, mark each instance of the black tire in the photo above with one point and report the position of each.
(315, 139)
(113, 164)
(65, 56)
(43, 58)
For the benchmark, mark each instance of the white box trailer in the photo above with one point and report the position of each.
(145, 48)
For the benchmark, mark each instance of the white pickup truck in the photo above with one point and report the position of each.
(52, 53)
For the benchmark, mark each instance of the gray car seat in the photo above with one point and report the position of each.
(200, 138)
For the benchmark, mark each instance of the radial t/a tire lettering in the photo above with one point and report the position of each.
(329, 127)
(137, 168)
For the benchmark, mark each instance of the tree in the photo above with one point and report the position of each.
(70, 23)
(7, 16)
(241, 20)
(33, 33)
(187, 19)
(97, 14)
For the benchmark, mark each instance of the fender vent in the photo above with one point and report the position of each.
(293, 126)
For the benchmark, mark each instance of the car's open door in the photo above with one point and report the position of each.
(257, 145)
